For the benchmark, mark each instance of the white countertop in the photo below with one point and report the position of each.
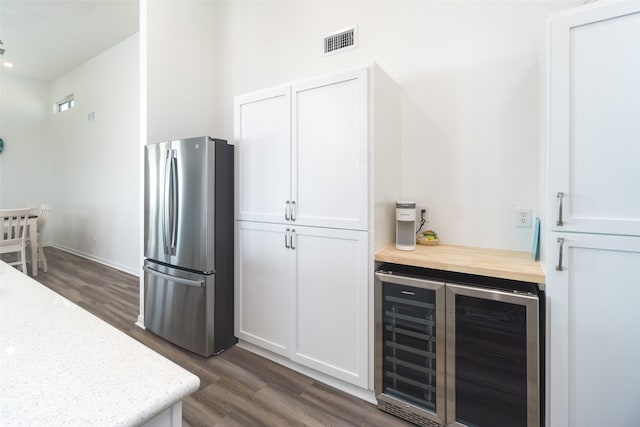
(61, 365)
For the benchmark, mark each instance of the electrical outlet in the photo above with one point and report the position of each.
(427, 213)
(523, 217)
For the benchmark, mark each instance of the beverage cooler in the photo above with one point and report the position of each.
(458, 354)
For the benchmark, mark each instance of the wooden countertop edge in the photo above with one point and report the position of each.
(498, 263)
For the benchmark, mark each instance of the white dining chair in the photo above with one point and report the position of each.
(13, 231)
(42, 213)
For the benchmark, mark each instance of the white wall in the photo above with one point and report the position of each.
(182, 70)
(25, 163)
(470, 74)
(96, 209)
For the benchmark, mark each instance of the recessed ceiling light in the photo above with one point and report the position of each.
(8, 64)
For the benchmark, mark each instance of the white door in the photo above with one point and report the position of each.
(594, 122)
(594, 324)
(263, 154)
(331, 302)
(329, 157)
(264, 286)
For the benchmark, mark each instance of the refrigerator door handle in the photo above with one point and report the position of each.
(166, 224)
(174, 202)
(181, 281)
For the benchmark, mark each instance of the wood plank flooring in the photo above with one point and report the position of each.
(237, 388)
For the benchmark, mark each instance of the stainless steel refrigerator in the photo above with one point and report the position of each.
(188, 249)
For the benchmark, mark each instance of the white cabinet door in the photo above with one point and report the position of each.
(331, 302)
(263, 154)
(264, 286)
(594, 324)
(329, 157)
(594, 122)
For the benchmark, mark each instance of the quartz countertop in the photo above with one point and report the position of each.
(61, 365)
(499, 263)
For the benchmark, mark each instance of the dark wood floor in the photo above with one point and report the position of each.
(237, 388)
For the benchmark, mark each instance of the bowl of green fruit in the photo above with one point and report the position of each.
(428, 238)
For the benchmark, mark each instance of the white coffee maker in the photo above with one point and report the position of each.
(406, 226)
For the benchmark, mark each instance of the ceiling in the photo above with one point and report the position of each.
(46, 38)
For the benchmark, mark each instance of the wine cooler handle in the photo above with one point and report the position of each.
(560, 248)
(559, 197)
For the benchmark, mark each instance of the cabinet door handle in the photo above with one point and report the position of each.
(560, 248)
(293, 234)
(293, 210)
(559, 197)
(286, 242)
(286, 210)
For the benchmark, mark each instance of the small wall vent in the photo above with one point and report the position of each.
(341, 40)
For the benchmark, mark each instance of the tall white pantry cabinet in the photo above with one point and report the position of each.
(593, 244)
(317, 177)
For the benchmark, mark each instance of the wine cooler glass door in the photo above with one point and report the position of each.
(492, 358)
(410, 344)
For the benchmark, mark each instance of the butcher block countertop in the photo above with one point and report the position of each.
(61, 365)
(503, 264)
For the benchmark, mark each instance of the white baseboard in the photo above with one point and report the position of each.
(99, 260)
(140, 322)
(364, 394)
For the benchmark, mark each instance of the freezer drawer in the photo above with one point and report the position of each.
(179, 307)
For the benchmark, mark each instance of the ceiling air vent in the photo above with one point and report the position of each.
(341, 40)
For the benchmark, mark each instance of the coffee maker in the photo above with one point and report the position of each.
(406, 226)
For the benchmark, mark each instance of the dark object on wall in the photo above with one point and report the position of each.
(1, 145)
